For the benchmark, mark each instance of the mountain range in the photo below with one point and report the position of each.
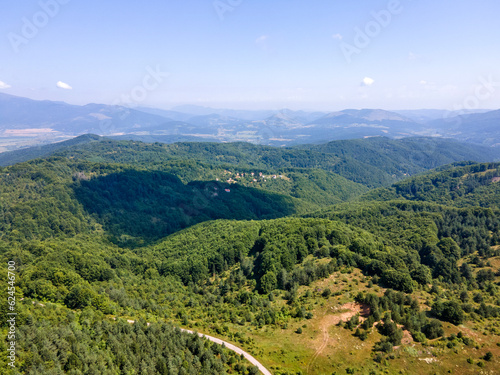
(25, 122)
(347, 244)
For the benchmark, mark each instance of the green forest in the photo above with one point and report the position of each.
(390, 246)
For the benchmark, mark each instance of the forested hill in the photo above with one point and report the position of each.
(58, 197)
(406, 153)
(29, 153)
(373, 162)
(459, 201)
(460, 185)
(213, 237)
(244, 280)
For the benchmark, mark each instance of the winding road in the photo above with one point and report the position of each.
(228, 345)
(234, 348)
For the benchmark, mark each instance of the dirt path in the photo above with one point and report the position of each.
(234, 348)
(229, 346)
(340, 313)
(323, 345)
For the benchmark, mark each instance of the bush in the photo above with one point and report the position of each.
(398, 280)
(488, 356)
(433, 329)
(79, 297)
(450, 311)
(418, 336)
(383, 346)
(478, 298)
(254, 370)
(362, 335)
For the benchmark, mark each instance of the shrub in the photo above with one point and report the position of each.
(450, 311)
(383, 346)
(433, 329)
(418, 336)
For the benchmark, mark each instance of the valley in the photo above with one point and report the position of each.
(234, 187)
(346, 257)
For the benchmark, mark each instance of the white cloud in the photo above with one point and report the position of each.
(262, 42)
(64, 86)
(415, 57)
(428, 86)
(3, 85)
(367, 81)
(261, 39)
(337, 36)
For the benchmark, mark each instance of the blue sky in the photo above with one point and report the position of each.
(254, 54)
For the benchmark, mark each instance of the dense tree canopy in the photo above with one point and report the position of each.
(210, 243)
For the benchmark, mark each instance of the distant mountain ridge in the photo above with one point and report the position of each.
(425, 115)
(369, 115)
(47, 120)
(21, 113)
(363, 123)
(481, 128)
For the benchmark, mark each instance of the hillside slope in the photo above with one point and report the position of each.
(372, 162)
(458, 185)
(157, 242)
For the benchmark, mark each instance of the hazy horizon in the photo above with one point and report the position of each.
(178, 107)
(394, 55)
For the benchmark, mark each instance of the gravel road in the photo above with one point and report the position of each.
(230, 346)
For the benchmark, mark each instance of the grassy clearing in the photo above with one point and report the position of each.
(324, 347)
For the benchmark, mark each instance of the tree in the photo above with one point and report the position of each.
(390, 329)
(79, 297)
(466, 272)
(464, 296)
(421, 274)
(450, 311)
(433, 329)
(398, 280)
(268, 282)
(449, 248)
(485, 275)
(326, 292)
(73, 363)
